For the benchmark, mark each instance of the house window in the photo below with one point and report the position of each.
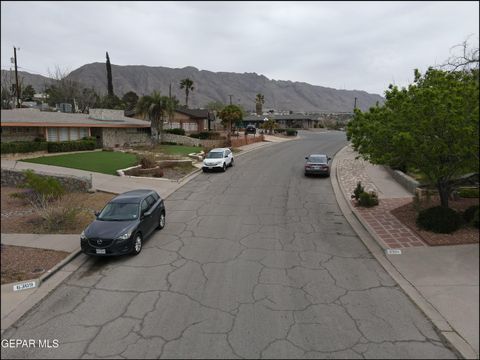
(66, 134)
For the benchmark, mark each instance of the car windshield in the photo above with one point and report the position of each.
(215, 155)
(322, 159)
(119, 212)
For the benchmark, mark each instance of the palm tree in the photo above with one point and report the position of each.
(186, 84)
(153, 106)
(259, 101)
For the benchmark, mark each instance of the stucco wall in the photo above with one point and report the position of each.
(123, 137)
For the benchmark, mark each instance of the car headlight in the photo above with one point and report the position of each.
(82, 236)
(125, 236)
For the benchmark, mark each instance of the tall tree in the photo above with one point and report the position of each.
(28, 93)
(432, 126)
(109, 77)
(186, 84)
(63, 89)
(230, 114)
(153, 107)
(259, 101)
(130, 99)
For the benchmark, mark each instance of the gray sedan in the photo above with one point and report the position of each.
(317, 164)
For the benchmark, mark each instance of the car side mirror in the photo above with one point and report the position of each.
(226, 156)
(96, 213)
(329, 158)
(306, 157)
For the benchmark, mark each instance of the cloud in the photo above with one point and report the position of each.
(353, 45)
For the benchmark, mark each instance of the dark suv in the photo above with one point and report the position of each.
(124, 223)
(250, 129)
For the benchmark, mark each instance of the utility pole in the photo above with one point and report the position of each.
(355, 106)
(230, 99)
(16, 76)
(170, 91)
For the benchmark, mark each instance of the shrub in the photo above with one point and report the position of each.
(439, 219)
(147, 161)
(475, 219)
(169, 143)
(368, 199)
(291, 132)
(45, 188)
(67, 146)
(176, 131)
(470, 213)
(358, 190)
(468, 192)
(23, 146)
(279, 131)
(59, 215)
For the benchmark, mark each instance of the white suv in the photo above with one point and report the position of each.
(219, 158)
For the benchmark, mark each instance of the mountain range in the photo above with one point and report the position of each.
(210, 86)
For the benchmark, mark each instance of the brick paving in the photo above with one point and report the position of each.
(391, 232)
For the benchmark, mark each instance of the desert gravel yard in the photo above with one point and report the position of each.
(21, 263)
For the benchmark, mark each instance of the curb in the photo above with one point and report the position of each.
(452, 339)
(40, 280)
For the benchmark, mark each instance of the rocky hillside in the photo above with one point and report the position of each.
(37, 81)
(216, 86)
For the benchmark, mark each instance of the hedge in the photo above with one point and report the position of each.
(176, 131)
(67, 146)
(23, 147)
(204, 135)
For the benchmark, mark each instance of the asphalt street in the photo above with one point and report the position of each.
(256, 262)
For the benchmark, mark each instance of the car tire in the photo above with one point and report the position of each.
(137, 244)
(224, 168)
(231, 163)
(161, 221)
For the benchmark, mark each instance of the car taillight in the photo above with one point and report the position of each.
(307, 166)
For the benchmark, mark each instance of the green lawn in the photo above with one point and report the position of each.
(178, 149)
(105, 162)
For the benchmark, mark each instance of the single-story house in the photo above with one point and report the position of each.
(191, 120)
(110, 127)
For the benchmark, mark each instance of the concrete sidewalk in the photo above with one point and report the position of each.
(15, 304)
(442, 281)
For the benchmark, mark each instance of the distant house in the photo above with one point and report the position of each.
(191, 120)
(110, 127)
(298, 121)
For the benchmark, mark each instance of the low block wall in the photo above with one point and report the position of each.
(70, 183)
(403, 179)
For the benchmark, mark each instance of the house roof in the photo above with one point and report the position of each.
(194, 113)
(100, 118)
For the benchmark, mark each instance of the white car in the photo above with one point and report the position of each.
(216, 159)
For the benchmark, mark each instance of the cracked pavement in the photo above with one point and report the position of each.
(256, 262)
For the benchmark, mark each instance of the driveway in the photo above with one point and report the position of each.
(254, 262)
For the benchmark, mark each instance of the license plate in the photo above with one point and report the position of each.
(316, 168)
(210, 167)
(101, 251)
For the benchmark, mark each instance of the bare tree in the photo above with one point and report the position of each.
(465, 61)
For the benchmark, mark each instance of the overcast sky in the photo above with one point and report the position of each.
(343, 45)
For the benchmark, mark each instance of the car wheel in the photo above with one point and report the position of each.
(161, 221)
(224, 168)
(231, 163)
(137, 244)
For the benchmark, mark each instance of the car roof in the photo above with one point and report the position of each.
(133, 196)
(317, 155)
(219, 149)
